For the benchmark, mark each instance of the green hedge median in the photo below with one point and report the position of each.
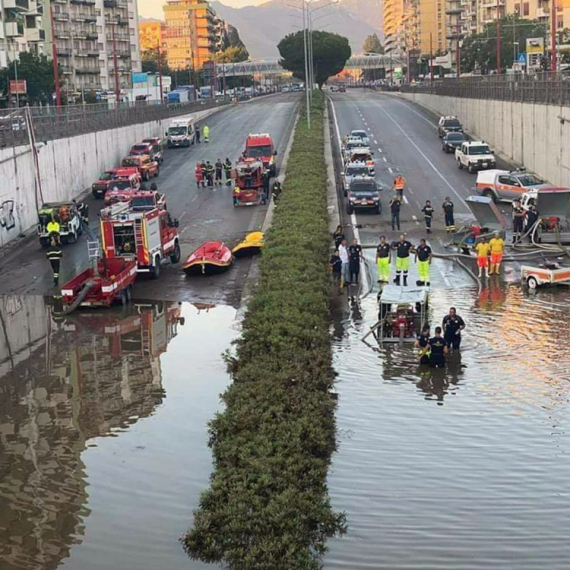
(267, 506)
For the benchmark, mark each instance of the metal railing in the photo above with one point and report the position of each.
(544, 88)
(51, 123)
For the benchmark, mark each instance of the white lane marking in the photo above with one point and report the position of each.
(445, 278)
(426, 158)
(405, 200)
(181, 215)
(376, 142)
(353, 215)
(379, 149)
(390, 169)
(384, 159)
(194, 198)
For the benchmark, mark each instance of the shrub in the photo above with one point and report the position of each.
(267, 506)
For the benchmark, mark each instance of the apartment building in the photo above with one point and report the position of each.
(152, 33)
(193, 33)
(90, 35)
(541, 10)
(393, 16)
(20, 28)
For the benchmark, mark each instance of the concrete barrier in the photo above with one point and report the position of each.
(535, 136)
(67, 168)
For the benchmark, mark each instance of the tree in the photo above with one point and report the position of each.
(479, 51)
(372, 44)
(37, 70)
(330, 54)
(149, 62)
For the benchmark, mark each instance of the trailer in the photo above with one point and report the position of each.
(549, 273)
(110, 282)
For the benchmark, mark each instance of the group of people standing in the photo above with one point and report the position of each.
(210, 175)
(447, 337)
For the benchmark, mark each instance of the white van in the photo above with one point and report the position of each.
(181, 132)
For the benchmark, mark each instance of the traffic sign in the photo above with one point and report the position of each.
(522, 58)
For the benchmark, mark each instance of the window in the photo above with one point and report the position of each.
(517, 8)
(526, 9)
(560, 23)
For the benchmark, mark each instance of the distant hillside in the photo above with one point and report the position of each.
(262, 27)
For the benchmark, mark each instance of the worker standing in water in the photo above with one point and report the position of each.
(438, 350)
(519, 215)
(453, 324)
(482, 249)
(383, 260)
(54, 255)
(422, 343)
(497, 245)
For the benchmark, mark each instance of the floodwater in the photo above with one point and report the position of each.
(467, 468)
(103, 436)
(103, 432)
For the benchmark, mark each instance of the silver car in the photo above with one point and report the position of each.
(362, 135)
(354, 170)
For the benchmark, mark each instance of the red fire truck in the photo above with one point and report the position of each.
(149, 236)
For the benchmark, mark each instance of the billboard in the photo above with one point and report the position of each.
(18, 87)
(139, 77)
(535, 45)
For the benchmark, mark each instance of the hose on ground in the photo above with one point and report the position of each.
(80, 298)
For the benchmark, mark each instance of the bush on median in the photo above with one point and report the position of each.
(267, 506)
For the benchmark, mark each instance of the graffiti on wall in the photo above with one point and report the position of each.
(7, 220)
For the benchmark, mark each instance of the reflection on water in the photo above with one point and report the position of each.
(62, 384)
(474, 473)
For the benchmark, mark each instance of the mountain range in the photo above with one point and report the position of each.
(262, 27)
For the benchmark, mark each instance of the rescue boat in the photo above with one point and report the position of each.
(250, 245)
(210, 258)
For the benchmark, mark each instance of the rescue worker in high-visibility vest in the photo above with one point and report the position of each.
(423, 259)
(53, 229)
(399, 184)
(206, 133)
(54, 255)
(448, 208)
(497, 245)
(228, 171)
(383, 259)
(236, 194)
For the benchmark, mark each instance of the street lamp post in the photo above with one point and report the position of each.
(117, 90)
(160, 74)
(54, 59)
(553, 54)
(498, 41)
(305, 7)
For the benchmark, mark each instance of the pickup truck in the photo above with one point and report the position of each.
(352, 171)
(474, 156)
(144, 164)
(363, 194)
(502, 185)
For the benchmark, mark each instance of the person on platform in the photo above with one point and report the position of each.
(383, 260)
(482, 249)
(423, 260)
(403, 248)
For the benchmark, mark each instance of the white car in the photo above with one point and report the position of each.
(475, 155)
(362, 135)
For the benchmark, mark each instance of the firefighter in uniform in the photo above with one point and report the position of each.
(209, 173)
(428, 211)
(204, 168)
(383, 259)
(53, 229)
(399, 184)
(449, 218)
(228, 171)
(423, 259)
(83, 211)
(54, 255)
(219, 168)
(519, 215)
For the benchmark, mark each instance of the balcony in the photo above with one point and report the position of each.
(542, 13)
(453, 11)
(87, 70)
(83, 2)
(492, 3)
(63, 52)
(65, 69)
(14, 29)
(17, 5)
(61, 17)
(35, 35)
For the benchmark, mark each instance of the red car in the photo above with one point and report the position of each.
(122, 189)
(148, 148)
(144, 164)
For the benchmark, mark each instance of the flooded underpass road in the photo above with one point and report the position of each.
(466, 468)
(103, 431)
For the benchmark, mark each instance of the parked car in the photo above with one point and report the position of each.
(156, 148)
(504, 185)
(449, 125)
(144, 164)
(363, 194)
(353, 170)
(362, 135)
(451, 141)
(474, 156)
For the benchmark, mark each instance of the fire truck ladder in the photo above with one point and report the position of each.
(139, 238)
(93, 252)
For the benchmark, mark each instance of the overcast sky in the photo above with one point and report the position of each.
(153, 8)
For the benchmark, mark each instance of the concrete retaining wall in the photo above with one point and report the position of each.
(531, 135)
(67, 168)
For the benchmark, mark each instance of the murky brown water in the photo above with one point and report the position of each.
(103, 441)
(103, 436)
(463, 469)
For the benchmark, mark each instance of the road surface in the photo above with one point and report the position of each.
(204, 213)
(404, 138)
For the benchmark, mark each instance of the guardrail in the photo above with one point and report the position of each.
(548, 89)
(52, 123)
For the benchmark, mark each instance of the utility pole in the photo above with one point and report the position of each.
(498, 41)
(159, 61)
(458, 49)
(553, 54)
(117, 90)
(16, 78)
(431, 56)
(54, 60)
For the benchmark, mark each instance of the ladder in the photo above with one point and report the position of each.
(93, 252)
(139, 239)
